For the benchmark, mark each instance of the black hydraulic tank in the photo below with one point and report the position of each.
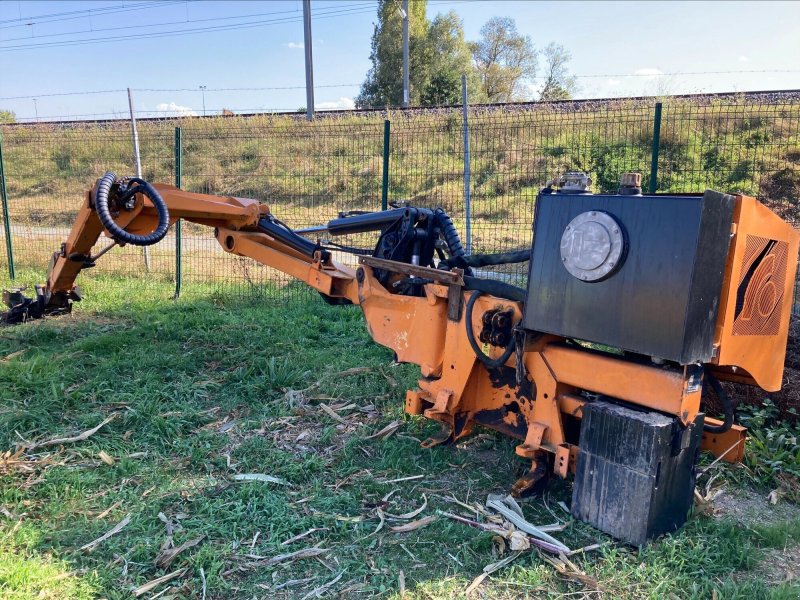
(639, 273)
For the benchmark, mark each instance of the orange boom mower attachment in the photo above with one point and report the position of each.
(636, 306)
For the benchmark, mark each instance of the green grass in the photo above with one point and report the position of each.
(173, 372)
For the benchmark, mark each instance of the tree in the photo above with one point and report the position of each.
(7, 116)
(558, 83)
(504, 59)
(450, 58)
(384, 83)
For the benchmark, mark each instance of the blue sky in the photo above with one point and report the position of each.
(618, 48)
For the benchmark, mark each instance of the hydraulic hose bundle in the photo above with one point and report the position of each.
(125, 191)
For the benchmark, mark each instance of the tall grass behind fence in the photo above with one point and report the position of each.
(752, 148)
(310, 171)
(306, 172)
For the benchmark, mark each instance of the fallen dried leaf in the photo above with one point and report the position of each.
(488, 570)
(150, 585)
(413, 513)
(317, 592)
(166, 557)
(332, 413)
(228, 426)
(518, 540)
(106, 512)
(380, 525)
(567, 568)
(106, 458)
(353, 371)
(292, 556)
(111, 532)
(77, 438)
(286, 584)
(299, 537)
(13, 461)
(8, 357)
(386, 431)
(411, 478)
(260, 477)
(406, 527)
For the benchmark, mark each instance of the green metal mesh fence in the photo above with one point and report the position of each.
(309, 171)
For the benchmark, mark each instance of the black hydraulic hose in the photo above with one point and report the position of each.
(118, 233)
(727, 405)
(486, 260)
(285, 235)
(491, 363)
(495, 288)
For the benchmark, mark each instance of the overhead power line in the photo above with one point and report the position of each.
(688, 73)
(232, 89)
(83, 14)
(139, 27)
(321, 14)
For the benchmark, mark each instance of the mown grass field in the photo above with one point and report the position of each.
(203, 389)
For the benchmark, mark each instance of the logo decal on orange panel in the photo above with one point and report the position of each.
(761, 287)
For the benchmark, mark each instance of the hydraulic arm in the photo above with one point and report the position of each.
(636, 307)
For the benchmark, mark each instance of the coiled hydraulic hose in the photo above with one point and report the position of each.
(727, 405)
(104, 186)
(492, 363)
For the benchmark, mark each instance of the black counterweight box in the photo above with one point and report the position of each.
(635, 474)
(640, 273)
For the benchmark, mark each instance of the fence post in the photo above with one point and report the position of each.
(387, 128)
(654, 157)
(6, 221)
(178, 241)
(467, 199)
(138, 164)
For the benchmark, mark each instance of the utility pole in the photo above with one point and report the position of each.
(406, 91)
(203, 91)
(309, 59)
(36, 110)
(138, 162)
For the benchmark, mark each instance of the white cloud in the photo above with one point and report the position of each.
(174, 110)
(342, 103)
(743, 59)
(532, 89)
(648, 72)
(613, 81)
(295, 45)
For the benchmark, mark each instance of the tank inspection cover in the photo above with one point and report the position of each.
(592, 246)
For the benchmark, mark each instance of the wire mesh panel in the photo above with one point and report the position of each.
(306, 172)
(50, 168)
(744, 146)
(309, 172)
(515, 154)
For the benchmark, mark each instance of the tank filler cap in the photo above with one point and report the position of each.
(574, 182)
(592, 246)
(630, 184)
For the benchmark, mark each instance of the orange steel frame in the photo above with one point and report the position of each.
(455, 389)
